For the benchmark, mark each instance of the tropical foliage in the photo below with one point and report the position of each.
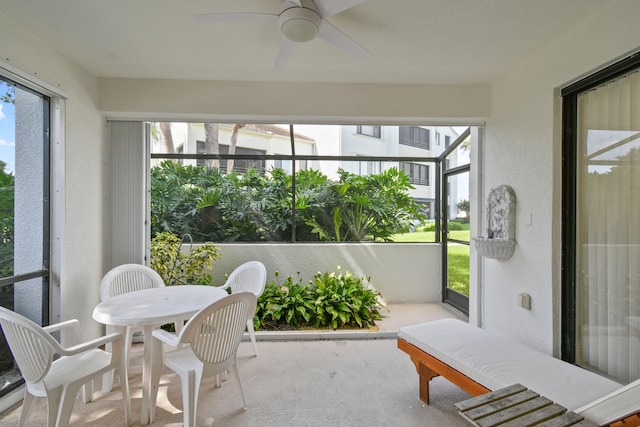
(329, 300)
(212, 205)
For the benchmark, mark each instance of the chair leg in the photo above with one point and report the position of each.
(26, 408)
(126, 397)
(87, 392)
(65, 405)
(190, 389)
(252, 335)
(244, 402)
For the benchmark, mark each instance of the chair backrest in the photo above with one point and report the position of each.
(248, 277)
(215, 332)
(128, 278)
(32, 347)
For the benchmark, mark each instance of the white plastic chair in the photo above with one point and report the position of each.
(123, 279)
(212, 337)
(59, 380)
(248, 277)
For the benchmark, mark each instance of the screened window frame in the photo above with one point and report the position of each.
(301, 159)
(47, 96)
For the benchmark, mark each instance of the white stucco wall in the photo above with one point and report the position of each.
(80, 265)
(404, 272)
(523, 150)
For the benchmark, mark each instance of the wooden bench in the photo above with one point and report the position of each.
(479, 361)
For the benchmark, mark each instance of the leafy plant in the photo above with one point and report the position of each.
(178, 268)
(330, 300)
(344, 300)
(291, 303)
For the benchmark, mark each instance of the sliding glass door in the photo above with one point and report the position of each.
(602, 236)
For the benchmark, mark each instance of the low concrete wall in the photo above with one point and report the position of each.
(406, 272)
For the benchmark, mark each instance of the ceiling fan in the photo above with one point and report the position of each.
(301, 21)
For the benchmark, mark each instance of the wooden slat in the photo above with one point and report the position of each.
(500, 405)
(550, 412)
(513, 412)
(474, 402)
(566, 419)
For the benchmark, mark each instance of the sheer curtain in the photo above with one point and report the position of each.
(608, 228)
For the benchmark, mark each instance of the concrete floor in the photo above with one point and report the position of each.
(333, 379)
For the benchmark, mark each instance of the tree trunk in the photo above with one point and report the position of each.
(211, 144)
(232, 145)
(167, 138)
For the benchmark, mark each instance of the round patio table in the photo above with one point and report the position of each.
(151, 308)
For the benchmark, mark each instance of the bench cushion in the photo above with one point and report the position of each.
(496, 362)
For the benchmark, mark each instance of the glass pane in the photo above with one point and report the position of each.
(458, 210)
(458, 267)
(349, 200)
(607, 229)
(458, 207)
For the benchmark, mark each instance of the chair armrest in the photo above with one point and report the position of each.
(166, 337)
(72, 324)
(88, 345)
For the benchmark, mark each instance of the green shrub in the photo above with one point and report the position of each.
(329, 301)
(178, 268)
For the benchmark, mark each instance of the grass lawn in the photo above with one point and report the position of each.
(459, 268)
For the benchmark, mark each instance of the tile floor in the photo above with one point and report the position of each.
(337, 379)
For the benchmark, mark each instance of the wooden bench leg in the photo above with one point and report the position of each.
(426, 375)
(429, 367)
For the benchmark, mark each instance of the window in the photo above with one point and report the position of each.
(373, 131)
(447, 141)
(601, 174)
(415, 137)
(418, 174)
(24, 212)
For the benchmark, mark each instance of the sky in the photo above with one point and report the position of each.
(7, 132)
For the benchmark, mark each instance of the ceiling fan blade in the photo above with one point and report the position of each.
(233, 16)
(297, 2)
(328, 8)
(330, 33)
(286, 47)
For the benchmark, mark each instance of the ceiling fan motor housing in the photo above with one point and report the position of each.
(299, 24)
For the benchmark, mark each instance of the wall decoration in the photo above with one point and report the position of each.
(500, 241)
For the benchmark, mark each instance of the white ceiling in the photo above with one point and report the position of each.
(412, 41)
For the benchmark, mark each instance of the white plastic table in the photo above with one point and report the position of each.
(151, 308)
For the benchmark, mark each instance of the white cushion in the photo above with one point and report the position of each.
(496, 362)
(614, 406)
